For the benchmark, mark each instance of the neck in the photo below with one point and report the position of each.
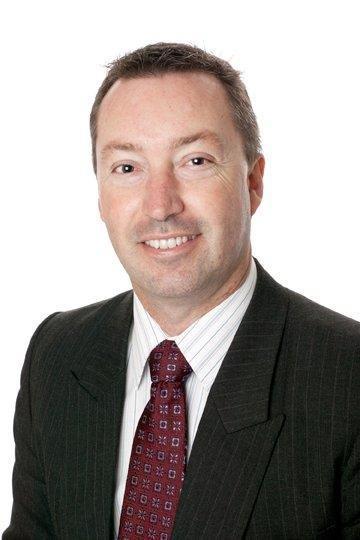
(174, 315)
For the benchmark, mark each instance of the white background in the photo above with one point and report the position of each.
(300, 62)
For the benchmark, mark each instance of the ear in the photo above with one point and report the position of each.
(255, 183)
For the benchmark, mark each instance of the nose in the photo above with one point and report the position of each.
(162, 198)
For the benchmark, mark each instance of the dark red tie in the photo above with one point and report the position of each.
(158, 455)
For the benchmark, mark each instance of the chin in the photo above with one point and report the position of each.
(168, 287)
(171, 291)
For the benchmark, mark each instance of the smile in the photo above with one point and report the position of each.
(169, 243)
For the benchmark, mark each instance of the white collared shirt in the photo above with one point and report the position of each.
(204, 344)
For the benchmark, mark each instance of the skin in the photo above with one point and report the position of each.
(162, 190)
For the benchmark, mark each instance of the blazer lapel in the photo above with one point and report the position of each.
(238, 429)
(103, 357)
(92, 426)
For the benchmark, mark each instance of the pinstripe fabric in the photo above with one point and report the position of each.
(276, 454)
(204, 345)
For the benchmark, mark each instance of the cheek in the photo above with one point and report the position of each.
(114, 206)
(221, 207)
(228, 217)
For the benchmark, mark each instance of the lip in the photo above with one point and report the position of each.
(171, 252)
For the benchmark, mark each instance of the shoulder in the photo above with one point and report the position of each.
(301, 315)
(321, 357)
(63, 337)
(88, 315)
(317, 342)
(66, 339)
(322, 354)
(306, 315)
(78, 323)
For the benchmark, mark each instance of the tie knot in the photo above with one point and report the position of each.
(167, 363)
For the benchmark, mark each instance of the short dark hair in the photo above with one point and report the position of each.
(161, 58)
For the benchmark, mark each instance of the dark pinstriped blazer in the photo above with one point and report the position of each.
(277, 452)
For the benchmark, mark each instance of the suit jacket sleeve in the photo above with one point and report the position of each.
(350, 483)
(351, 495)
(30, 516)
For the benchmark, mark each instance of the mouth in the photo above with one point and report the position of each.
(172, 244)
(169, 243)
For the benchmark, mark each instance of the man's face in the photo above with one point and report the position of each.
(175, 190)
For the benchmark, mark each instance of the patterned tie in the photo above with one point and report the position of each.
(158, 455)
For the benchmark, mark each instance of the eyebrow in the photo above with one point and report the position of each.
(205, 135)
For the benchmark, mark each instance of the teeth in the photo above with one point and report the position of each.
(169, 243)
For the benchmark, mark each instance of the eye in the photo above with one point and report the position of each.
(198, 160)
(124, 168)
(196, 166)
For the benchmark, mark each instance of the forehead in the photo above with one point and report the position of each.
(164, 105)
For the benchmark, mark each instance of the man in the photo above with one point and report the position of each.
(210, 401)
